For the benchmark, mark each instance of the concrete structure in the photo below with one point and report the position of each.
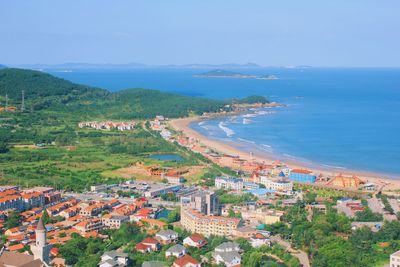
(276, 184)
(395, 259)
(158, 190)
(229, 183)
(302, 176)
(349, 207)
(195, 222)
(41, 250)
(204, 202)
(113, 222)
(345, 182)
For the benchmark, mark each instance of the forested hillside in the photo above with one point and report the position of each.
(46, 92)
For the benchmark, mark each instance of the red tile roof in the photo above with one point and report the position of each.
(186, 260)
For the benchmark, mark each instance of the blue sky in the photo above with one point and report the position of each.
(279, 33)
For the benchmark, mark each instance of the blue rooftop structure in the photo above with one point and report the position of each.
(261, 191)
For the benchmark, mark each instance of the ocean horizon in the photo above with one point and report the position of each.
(340, 118)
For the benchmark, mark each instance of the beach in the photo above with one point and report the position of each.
(183, 125)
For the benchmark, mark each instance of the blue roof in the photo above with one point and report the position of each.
(281, 174)
(261, 191)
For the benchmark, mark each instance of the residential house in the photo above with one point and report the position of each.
(112, 221)
(113, 258)
(167, 236)
(186, 261)
(175, 251)
(147, 245)
(195, 240)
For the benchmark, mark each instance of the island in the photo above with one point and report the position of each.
(219, 73)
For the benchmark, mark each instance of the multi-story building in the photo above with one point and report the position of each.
(195, 222)
(276, 184)
(113, 221)
(204, 202)
(89, 225)
(33, 199)
(229, 183)
(302, 176)
(11, 202)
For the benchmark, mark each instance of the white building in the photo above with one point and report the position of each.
(113, 258)
(277, 185)
(395, 259)
(41, 250)
(229, 183)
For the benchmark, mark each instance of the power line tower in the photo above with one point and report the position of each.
(6, 107)
(23, 101)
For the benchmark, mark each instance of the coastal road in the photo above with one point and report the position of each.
(301, 255)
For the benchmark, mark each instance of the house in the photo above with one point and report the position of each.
(167, 236)
(228, 247)
(113, 222)
(176, 251)
(147, 245)
(15, 259)
(229, 259)
(153, 264)
(186, 261)
(195, 240)
(89, 225)
(113, 258)
(260, 239)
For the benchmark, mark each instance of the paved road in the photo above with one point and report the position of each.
(301, 255)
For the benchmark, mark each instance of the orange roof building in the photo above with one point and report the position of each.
(346, 182)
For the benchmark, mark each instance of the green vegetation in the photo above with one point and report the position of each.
(227, 198)
(329, 241)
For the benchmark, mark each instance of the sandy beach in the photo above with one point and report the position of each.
(183, 125)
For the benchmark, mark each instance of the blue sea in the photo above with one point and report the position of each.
(340, 118)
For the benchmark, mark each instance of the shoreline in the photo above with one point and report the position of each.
(183, 125)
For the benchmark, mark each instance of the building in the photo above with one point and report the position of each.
(173, 178)
(260, 239)
(176, 251)
(89, 225)
(41, 250)
(195, 222)
(395, 259)
(162, 189)
(16, 259)
(204, 202)
(276, 184)
(228, 254)
(113, 258)
(195, 240)
(186, 261)
(113, 221)
(232, 183)
(349, 207)
(345, 182)
(229, 259)
(302, 176)
(167, 236)
(148, 245)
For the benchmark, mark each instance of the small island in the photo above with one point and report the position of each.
(219, 73)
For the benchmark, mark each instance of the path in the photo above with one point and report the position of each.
(301, 255)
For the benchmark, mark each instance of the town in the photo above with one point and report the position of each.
(168, 222)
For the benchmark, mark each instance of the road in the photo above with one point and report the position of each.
(301, 255)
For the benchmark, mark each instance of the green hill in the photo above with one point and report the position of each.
(46, 92)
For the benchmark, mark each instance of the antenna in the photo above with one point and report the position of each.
(23, 101)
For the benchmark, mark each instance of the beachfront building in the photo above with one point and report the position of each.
(276, 184)
(302, 176)
(195, 222)
(229, 183)
(345, 182)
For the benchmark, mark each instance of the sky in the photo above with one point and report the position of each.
(340, 33)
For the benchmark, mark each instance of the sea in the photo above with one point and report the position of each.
(336, 118)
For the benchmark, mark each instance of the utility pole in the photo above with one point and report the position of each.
(6, 107)
(23, 101)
